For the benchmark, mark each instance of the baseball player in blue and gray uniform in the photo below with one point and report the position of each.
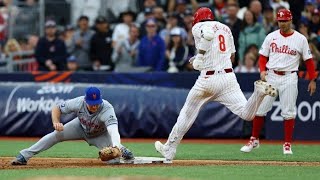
(96, 123)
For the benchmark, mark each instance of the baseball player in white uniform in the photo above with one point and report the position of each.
(96, 123)
(216, 82)
(279, 61)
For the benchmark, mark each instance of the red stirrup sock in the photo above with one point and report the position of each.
(288, 130)
(258, 122)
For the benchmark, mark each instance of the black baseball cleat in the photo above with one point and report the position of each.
(19, 161)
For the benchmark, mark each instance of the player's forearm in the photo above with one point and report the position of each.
(114, 134)
(263, 63)
(311, 69)
(55, 115)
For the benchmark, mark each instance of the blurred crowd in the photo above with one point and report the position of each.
(147, 35)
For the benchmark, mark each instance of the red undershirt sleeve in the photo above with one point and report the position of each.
(263, 62)
(310, 68)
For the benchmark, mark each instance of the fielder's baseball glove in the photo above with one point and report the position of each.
(109, 153)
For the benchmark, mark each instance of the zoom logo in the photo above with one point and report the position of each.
(305, 111)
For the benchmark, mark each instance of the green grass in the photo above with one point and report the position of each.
(189, 172)
(185, 151)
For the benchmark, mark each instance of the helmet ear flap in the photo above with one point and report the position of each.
(202, 14)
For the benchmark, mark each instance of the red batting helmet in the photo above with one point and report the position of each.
(202, 14)
(284, 15)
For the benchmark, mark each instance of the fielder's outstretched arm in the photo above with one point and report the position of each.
(114, 134)
(55, 117)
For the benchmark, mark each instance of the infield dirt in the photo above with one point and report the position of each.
(40, 163)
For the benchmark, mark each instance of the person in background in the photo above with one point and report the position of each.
(101, 46)
(148, 14)
(80, 46)
(188, 19)
(12, 46)
(159, 17)
(234, 23)
(177, 52)
(152, 48)
(180, 6)
(255, 7)
(51, 52)
(121, 30)
(315, 22)
(252, 32)
(219, 7)
(304, 29)
(72, 64)
(252, 48)
(275, 4)
(67, 37)
(172, 22)
(249, 65)
(126, 53)
(309, 8)
(269, 22)
(8, 10)
(145, 11)
(33, 41)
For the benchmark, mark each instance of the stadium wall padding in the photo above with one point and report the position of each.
(142, 111)
(147, 105)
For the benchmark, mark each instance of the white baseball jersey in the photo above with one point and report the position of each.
(285, 52)
(218, 56)
(92, 124)
(222, 86)
(284, 55)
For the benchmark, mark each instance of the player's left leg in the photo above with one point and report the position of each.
(236, 102)
(288, 93)
(71, 131)
(261, 90)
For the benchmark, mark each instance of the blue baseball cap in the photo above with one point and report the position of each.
(93, 96)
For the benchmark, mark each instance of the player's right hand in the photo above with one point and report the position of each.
(58, 126)
(197, 62)
(263, 75)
